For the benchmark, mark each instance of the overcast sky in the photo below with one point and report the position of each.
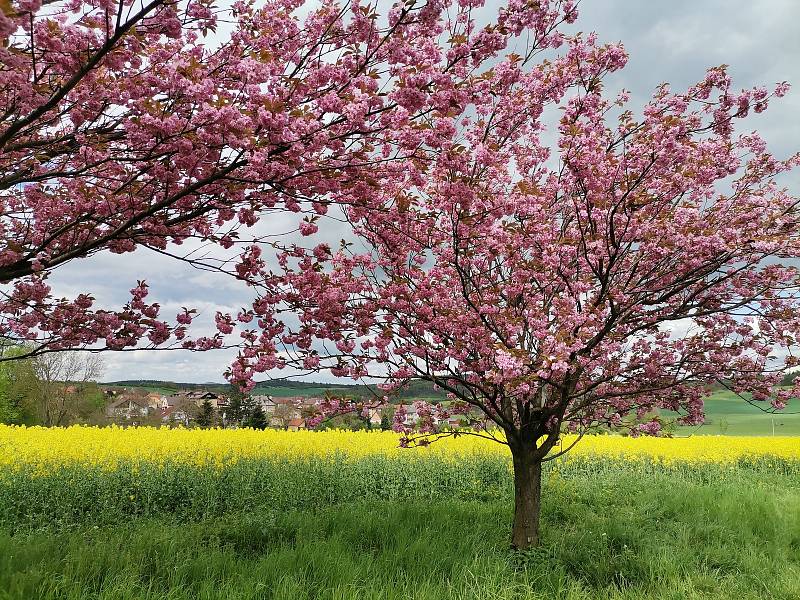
(673, 41)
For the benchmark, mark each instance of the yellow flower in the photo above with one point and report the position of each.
(41, 449)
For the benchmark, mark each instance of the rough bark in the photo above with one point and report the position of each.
(527, 499)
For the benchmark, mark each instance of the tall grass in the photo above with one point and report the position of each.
(77, 494)
(617, 536)
(81, 494)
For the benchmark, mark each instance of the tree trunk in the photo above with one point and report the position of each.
(527, 499)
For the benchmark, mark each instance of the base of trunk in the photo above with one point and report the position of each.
(527, 501)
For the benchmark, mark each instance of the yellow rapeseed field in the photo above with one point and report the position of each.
(44, 448)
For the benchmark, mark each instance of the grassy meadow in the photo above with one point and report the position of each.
(152, 514)
(727, 414)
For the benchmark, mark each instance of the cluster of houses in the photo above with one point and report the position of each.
(287, 413)
(182, 407)
(178, 408)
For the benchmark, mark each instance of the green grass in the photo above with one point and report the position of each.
(393, 528)
(73, 496)
(609, 535)
(728, 414)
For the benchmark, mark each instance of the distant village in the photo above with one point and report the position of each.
(132, 406)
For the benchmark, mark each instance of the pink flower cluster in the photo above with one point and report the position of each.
(600, 293)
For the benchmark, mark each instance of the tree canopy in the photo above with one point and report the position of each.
(152, 124)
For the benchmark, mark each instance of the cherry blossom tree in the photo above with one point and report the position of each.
(624, 269)
(152, 123)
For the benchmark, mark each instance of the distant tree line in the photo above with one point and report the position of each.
(413, 389)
